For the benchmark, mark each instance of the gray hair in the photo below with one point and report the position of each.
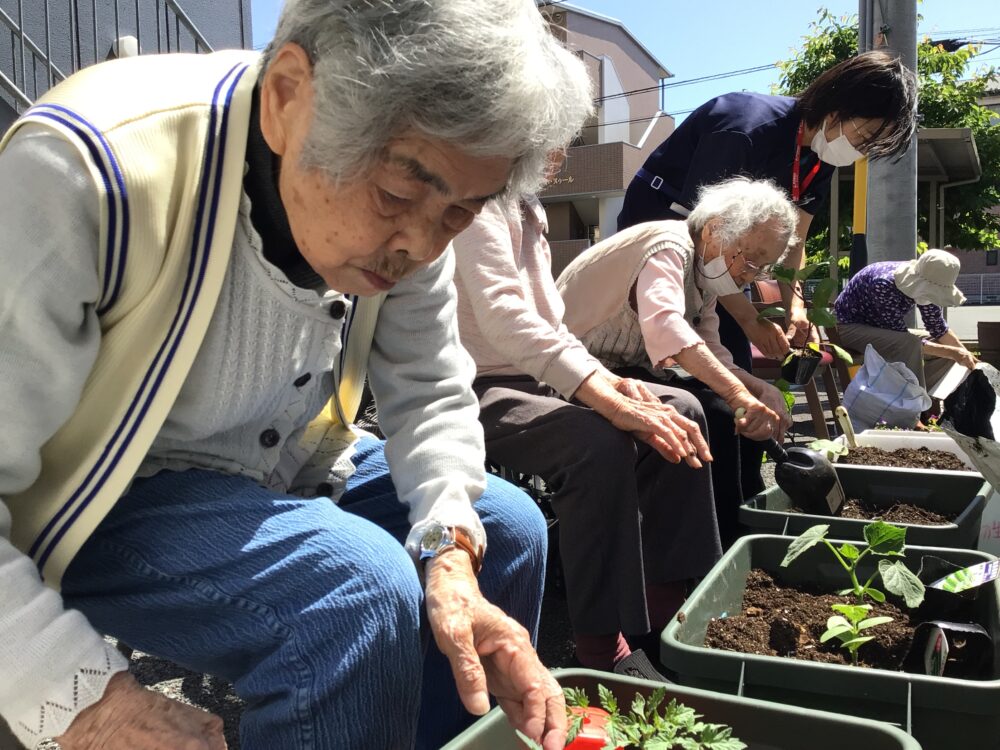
(741, 204)
(487, 77)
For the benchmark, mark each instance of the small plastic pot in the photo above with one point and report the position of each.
(800, 369)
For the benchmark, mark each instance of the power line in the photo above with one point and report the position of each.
(688, 82)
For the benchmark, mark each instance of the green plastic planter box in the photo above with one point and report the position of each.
(761, 725)
(952, 494)
(942, 713)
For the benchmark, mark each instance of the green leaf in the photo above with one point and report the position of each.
(528, 742)
(829, 447)
(823, 292)
(813, 346)
(842, 353)
(873, 593)
(575, 725)
(837, 630)
(854, 643)
(789, 400)
(576, 697)
(849, 552)
(784, 273)
(608, 701)
(788, 358)
(807, 271)
(808, 538)
(821, 316)
(902, 582)
(884, 538)
(873, 622)
(853, 612)
(771, 312)
(639, 706)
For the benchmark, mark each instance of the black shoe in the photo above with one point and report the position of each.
(637, 664)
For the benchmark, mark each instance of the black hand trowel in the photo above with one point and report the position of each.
(807, 477)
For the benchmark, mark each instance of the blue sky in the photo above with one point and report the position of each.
(694, 38)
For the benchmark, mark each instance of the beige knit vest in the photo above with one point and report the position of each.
(597, 286)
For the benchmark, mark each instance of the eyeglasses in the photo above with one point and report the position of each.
(759, 272)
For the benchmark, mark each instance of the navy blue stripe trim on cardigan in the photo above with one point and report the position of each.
(196, 273)
(97, 145)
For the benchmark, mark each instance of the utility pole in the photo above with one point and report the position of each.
(892, 187)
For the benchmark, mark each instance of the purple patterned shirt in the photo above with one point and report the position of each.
(872, 299)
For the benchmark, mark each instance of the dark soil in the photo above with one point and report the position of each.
(779, 620)
(898, 512)
(904, 458)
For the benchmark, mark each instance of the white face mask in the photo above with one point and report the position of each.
(713, 277)
(839, 152)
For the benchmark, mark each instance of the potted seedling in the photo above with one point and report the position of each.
(800, 364)
(649, 723)
(657, 716)
(779, 655)
(884, 541)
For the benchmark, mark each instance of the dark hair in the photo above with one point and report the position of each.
(872, 85)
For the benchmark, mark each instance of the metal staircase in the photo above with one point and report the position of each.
(44, 41)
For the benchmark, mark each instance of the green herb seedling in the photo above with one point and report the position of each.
(848, 626)
(884, 540)
(646, 725)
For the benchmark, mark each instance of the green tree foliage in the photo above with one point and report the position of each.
(949, 90)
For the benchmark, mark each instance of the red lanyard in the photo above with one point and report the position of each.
(795, 168)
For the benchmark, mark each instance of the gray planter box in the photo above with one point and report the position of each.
(942, 713)
(762, 726)
(962, 493)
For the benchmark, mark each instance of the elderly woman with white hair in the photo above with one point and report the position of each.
(643, 302)
(873, 307)
(202, 256)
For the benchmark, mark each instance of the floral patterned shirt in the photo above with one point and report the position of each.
(872, 299)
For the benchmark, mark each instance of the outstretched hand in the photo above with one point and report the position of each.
(491, 653)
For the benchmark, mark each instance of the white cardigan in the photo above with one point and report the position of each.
(52, 344)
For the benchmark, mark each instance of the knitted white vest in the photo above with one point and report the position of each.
(164, 138)
(597, 287)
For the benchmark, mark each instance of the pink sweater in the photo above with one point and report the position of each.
(509, 310)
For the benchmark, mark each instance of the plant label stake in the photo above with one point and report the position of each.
(807, 477)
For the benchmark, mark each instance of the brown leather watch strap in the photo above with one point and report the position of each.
(464, 541)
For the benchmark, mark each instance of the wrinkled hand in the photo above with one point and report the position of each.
(490, 652)
(800, 330)
(672, 435)
(636, 389)
(758, 421)
(774, 400)
(769, 338)
(129, 716)
(964, 357)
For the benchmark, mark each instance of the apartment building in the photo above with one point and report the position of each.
(584, 198)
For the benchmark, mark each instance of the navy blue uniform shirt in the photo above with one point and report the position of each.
(734, 134)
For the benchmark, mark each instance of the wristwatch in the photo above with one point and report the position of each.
(439, 537)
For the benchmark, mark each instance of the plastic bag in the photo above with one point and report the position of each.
(884, 392)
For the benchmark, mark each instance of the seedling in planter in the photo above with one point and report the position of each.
(848, 626)
(884, 540)
(648, 726)
(819, 313)
(829, 448)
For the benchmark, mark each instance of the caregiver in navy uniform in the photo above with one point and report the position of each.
(863, 106)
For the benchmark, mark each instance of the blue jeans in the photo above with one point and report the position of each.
(312, 610)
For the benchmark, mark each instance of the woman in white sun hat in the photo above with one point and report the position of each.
(873, 307)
